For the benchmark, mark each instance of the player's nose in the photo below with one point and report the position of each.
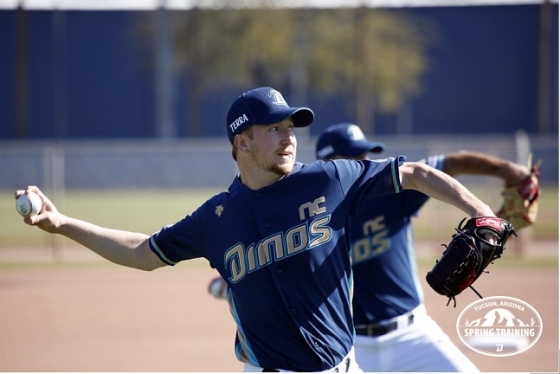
(288, 137)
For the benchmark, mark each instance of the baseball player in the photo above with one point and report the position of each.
(394, 332)
(277, 236)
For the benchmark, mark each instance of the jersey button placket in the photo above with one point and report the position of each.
(260, 196)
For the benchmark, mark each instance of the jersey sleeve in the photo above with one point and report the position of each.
(181, 240)
(436, 161)
(367, 179)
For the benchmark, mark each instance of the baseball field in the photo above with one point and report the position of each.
(66, 309)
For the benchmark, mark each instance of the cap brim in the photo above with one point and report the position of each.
(377, 147)
(302, 116)
(359, 148)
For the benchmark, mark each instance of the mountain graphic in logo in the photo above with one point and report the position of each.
(497, 317)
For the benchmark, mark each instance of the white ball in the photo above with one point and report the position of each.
(29, 204)
(218, 288)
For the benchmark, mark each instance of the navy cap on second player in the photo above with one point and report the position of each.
(347, 140)
(263, 106)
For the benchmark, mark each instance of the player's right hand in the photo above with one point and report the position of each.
(49, 218)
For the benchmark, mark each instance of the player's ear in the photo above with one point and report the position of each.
(241, 143)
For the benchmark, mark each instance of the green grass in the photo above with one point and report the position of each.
(137, 210)
(436, 220)
(148, 210)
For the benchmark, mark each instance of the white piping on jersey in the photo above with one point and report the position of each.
(160, 253)
(395, 174)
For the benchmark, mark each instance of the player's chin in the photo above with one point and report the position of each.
(283, 167)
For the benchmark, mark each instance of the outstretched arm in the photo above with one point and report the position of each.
(121, 247)
(440, 186)
(475, 163)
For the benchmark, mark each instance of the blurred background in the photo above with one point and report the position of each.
(169, 69)
(116, 109)
(101, 96)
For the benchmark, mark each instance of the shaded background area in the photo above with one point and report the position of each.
(75, 74)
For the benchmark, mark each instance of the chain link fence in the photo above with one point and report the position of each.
(58, 166)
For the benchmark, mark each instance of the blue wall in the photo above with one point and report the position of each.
(482, 78)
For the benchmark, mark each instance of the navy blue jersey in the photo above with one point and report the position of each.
(383, 256)
(284, 253)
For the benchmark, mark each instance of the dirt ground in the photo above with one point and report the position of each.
(102, 317)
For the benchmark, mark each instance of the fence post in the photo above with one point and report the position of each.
(522, 154)
(54, 182)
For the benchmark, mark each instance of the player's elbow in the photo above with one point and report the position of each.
(411, 173)
(149, 265)
(146, 259)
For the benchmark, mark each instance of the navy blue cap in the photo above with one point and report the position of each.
(263, 106)
(345, 139)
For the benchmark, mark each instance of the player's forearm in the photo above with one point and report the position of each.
(118, 246)
(467, 162)
(440, 186)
